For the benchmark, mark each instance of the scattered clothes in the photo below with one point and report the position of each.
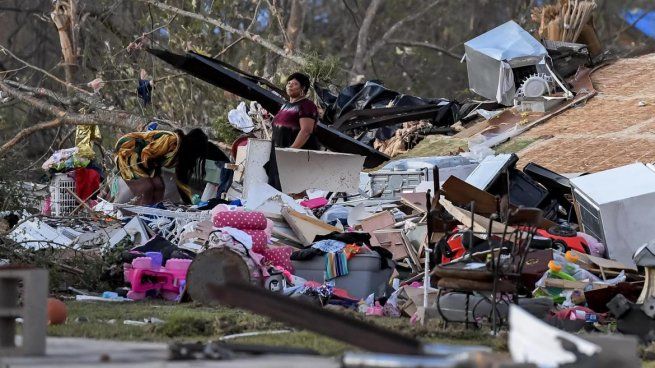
(165, 247)
(329, 245)
(65, 160)
(306, 254)
(87, 182)
(240, 236)
(85, 135)
(144, 90)
(348, 238)
(336, 264)
(143, 154)
(314, 203)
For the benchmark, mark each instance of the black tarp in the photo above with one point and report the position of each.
(371, 105)
(257, 89)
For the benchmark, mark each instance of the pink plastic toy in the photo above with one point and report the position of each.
(144, 277)
(314, 203)
(375, 310)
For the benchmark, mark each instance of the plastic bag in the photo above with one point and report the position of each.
(239, 118)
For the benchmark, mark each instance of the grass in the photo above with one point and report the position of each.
(515, 144)
(186, 322)
(436, 145)
(440, 145)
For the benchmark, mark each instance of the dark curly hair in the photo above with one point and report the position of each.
(303, 79)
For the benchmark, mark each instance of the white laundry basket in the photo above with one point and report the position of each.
(61, 201)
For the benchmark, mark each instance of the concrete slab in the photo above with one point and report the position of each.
(79, 353)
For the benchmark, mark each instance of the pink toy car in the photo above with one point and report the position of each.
(145, 276)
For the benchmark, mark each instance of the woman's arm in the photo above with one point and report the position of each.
(306, 130)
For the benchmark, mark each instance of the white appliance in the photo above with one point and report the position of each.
(617, 206)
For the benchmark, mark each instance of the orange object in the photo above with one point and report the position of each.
(554, 266)
(351, 250)
(57, 311)
(570, 257)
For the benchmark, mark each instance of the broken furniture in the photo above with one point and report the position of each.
(558, 186)
(305, 227)
(298, 169)
(23, 294)
(493, 268)
(617, 206)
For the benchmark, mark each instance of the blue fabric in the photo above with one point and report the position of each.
(644, 22)
(336, 264)
(329, 245)
(144, 91)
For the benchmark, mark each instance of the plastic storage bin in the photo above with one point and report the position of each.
(364, 274)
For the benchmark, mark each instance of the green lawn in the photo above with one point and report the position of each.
(186, 322)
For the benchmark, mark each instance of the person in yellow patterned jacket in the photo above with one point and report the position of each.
(140, 157)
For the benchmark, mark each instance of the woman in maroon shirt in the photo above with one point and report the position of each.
(293, 125)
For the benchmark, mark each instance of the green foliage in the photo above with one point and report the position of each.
(319, 68)
(224, 131)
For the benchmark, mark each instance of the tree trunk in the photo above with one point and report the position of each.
(362, 39)
(64, 18)
(294, 25)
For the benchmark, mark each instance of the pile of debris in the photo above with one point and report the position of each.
(462, 238)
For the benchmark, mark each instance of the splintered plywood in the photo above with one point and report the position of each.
(615, 128)
(303, 169)
(306, 227)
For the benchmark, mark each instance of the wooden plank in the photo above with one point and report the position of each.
(461, 193)
(393, 241)
(305, 227)
(413, 255)
(416, 201)
(566, 284)
(602, 262)
(480, 223)
(377, 221)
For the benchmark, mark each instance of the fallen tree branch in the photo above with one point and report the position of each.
(45, 72)
(100, 117)
(23, 134)
(387, 35)
(226, 27)
(45, 92)
(426, 45)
